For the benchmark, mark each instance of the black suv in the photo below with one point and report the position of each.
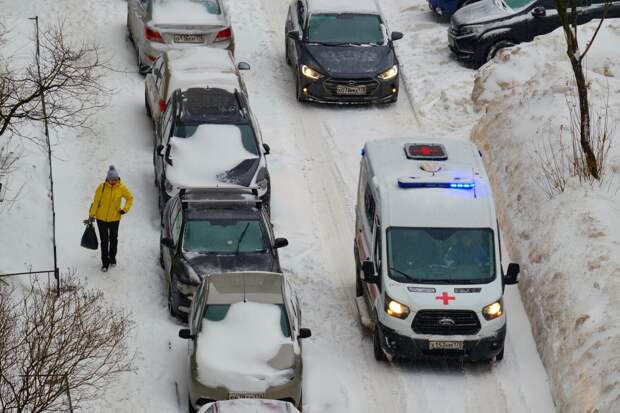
(477, 31)
(341, 56)
(208, 137)
(207, 231)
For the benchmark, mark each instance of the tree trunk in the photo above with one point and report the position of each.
(584, 119)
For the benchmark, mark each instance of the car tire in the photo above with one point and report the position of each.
(496, 47)
(500, 355)
(376, 346)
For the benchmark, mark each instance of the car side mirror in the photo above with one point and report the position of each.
(280, 242)
(267, 149)
(185, 334)
(167, 242)
(539, 11)
(160, 150)
(370, 276)
(294, 34)
(396, 36)
(243, 66)
(304, 333)
(512, 274)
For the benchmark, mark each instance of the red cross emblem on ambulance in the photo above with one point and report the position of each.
(445, 298)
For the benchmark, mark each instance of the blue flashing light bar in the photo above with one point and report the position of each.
(412, 182)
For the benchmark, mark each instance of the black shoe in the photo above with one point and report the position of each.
(104, 269)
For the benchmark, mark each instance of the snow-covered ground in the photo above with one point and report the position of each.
(314, 161)
(569, 246)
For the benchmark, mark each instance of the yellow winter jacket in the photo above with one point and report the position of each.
(107, 203)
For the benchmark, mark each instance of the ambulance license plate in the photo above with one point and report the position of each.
(445, 345)
(243, 395)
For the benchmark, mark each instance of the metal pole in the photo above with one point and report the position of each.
(49, 157)
(68, 393)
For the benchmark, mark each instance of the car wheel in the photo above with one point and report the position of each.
(376, 345)
(147, 107)
(502, 44)
(500, 355)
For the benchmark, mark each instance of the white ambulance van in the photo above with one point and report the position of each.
(427, 251)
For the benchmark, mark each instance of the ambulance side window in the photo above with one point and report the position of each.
(369, 205)
(377, 247)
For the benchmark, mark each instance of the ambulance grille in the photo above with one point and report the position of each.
(464, 322)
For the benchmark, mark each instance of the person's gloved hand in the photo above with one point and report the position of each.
(121, 212)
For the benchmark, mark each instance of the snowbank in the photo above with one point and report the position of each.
(569, 246)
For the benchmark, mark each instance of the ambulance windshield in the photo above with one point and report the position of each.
(441, 255)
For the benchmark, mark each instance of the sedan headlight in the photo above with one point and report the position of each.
(493, 310)
(396, 309)
(471, 29)
(389, 74)
(310, 73)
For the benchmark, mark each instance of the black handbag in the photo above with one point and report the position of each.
(89, 238)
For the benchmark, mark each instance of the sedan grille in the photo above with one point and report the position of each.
(446, 322)
(332, 85)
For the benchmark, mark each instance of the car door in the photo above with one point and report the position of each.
(298, 19)
(161, 141)
(152, 84)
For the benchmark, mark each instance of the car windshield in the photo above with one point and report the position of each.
(345, 29)
(218, 312)
(248, 139)
(224, 236)
(517, 4)
(441, 255)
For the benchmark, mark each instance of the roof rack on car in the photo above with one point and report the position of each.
(221, 195)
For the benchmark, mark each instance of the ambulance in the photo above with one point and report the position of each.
(430, 281)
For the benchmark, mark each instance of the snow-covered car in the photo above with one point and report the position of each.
(427, 251)
(244, 339)
(341, 52)
(249, 405)
(208, 137)
(207, 231)
(195, 67)
(155, 26)
(478, 31)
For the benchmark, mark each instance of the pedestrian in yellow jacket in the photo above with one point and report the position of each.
(106, 209)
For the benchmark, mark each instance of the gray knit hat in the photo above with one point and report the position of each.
(112, 173)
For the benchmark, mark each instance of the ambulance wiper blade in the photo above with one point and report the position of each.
(403, 273)
(452, 281)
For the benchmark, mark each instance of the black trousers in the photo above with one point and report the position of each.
(108, 232)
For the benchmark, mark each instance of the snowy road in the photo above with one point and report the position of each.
(314, 161)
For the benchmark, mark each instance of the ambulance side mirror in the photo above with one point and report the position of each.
(512, 274)
(370, 276)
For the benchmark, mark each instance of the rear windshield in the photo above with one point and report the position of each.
(441, 255)
(345, 29)
(248, 139)
(224, 236)
(212, 6)
(218, 312)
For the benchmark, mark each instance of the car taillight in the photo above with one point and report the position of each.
(223, 35)
(152, 35)
(162, 105)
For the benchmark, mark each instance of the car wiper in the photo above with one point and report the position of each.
(241, 237)
(404, 274)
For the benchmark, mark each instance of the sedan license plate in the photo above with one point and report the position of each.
(243, 395)
(188, 38)
(445, 345)
(351, 90)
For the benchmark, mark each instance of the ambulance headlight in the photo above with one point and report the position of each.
(493, 310)
(396, 309)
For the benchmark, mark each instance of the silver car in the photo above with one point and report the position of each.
(244, 339)
(155, 26)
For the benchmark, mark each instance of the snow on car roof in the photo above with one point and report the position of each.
(212, 150)
(237, 352)
(343, 6)
(198, 78)
(184, 12)
(430, 207)
(251, 406)
(200, 58)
